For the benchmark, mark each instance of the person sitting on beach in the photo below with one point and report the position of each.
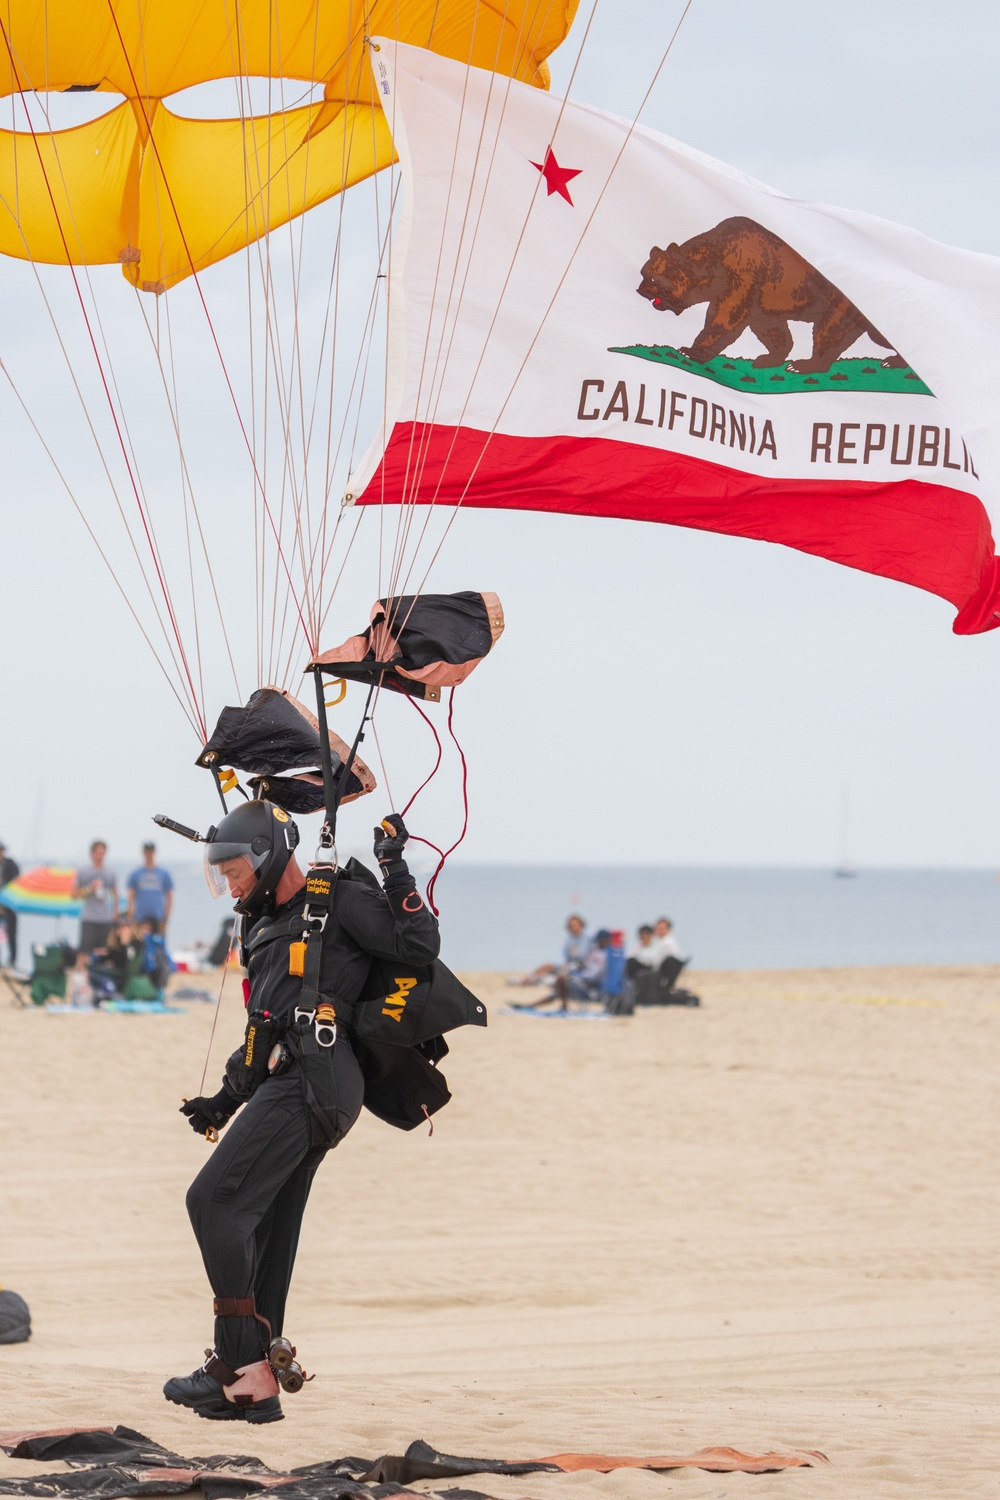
(584, 981)
(654, 983)
(575, 951)
(643, 955)
(119, 971)
(664, 943)
(157, 965)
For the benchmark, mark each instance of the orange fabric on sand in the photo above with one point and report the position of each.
(715, 1460)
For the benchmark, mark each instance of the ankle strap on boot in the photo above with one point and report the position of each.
(240, 1307)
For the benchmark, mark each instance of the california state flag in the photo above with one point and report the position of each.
(590, 317)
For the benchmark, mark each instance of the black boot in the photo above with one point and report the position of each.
(205, 1394)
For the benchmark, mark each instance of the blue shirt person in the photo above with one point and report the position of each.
(150, 891)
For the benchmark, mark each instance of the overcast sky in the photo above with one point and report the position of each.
(659, 696)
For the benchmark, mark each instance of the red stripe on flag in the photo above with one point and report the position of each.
(915, 531)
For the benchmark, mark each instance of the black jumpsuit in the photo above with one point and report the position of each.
(247, 1202)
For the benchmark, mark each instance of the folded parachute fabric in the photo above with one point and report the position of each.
(108, 1463)
(15, 1319)
(273, 734)
(419, 643)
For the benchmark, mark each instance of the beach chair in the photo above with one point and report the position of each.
(16, 986)
(616, 989)
(49, 966)
(660, 986)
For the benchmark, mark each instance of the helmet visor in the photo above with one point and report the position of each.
(231, 869)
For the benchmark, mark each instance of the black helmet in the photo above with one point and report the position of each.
(263, 834)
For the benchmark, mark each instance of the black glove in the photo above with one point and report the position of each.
(211, 1114)
(389, 846)
(247, 1068)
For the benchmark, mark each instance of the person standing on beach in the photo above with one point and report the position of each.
(150, 892)
(9, 870)
(297, 1076)
(96, 887)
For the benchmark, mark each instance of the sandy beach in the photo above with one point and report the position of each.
(771, 1222)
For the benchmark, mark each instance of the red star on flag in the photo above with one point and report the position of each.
(556, 177)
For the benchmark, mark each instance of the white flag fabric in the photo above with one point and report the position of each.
(586, 316)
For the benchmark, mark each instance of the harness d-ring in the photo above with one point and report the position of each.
(332, 702)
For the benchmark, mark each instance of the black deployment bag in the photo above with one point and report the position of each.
(396, 1033)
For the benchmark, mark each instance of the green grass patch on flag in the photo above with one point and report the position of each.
(740, 375)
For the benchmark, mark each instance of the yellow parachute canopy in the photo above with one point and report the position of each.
(165, 195)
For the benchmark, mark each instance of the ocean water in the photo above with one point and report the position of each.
(511, 917)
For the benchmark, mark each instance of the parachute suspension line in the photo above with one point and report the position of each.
(432, 413)
(94, 303)
(367, 350)
(408, 490)
(361, 366)
(290, 482)
(185, 708)
(218, 1003)
(297, 483)
(430, 34)
(382, 248)
(273, 359)
(201, 297)
(109, 363)
(343, 565)
(408, 500)
(107, 474)
(452, 307)
(173, 406)
(250, 202)
(333, 301)
(271, 353)
(290, 658)
(310, 583)
(187, 494)
(381, 760)
(412, 490)
(107, 391)
(405, 514)
(388, 312)
(659, 69)
(440, 751)
(432, 883)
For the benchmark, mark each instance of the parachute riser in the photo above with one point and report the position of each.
(334, 785)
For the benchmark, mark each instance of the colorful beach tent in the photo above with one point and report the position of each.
(44, 891)
(617, 325)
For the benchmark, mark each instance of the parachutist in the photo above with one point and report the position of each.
(308, 942)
